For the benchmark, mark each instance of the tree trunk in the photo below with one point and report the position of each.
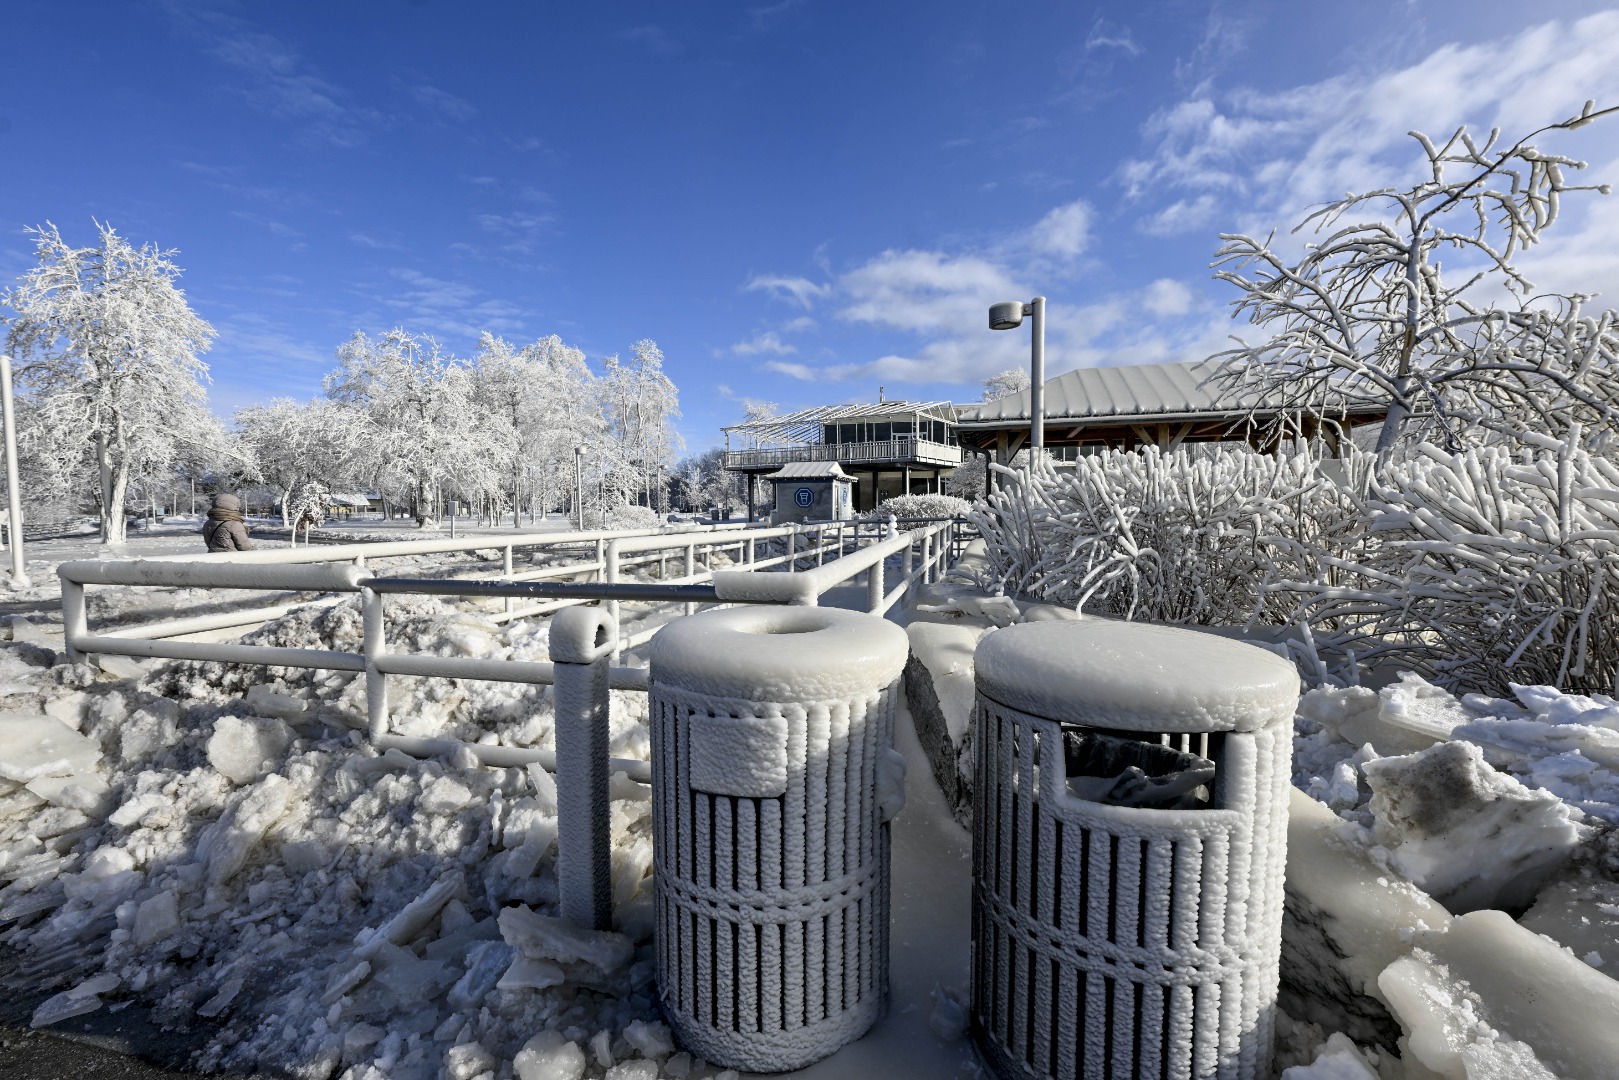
(104, 491)
(286, 499)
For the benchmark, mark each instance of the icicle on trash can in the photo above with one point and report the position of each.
(773, 779)
(1129, 843)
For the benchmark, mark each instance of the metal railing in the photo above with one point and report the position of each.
(581, 645)
(921, 451)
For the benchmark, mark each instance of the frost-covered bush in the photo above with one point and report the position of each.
(1175, 538)
(918, 506)
(1480, 569)
(622, 516)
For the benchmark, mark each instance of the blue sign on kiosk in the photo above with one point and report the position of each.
(804, 497)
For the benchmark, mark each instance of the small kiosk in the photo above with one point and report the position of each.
(811, 491)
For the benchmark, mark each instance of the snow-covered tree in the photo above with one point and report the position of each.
(1010, 381)
(640, 403)
(109, 353)
(418, 416)
(1365, 310)
(293, 445)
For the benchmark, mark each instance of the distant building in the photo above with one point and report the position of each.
(890, 448)
(1163, 405)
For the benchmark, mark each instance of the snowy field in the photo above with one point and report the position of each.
(219, 845)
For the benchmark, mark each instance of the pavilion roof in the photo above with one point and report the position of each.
(805, 425)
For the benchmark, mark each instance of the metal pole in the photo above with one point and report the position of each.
(582, 640)
(579, 486)
(19, 575)
(1037, 375)
(376, 681)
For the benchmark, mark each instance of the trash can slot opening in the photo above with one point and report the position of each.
(1176, 771)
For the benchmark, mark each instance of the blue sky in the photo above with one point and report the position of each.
(800, 201)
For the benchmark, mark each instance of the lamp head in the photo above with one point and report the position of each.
(1006, 316)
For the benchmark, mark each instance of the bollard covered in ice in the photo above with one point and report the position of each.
(772, 779)
(1129, 841)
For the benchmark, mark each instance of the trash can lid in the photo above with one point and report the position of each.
(1135, 676)
(780, 654)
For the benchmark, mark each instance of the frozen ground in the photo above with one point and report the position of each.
(218, 847)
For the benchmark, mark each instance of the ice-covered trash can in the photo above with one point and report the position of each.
(773, 779)
(1129, 842)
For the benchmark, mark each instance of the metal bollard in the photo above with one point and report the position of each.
(1129, 842)
(773, 780)
(582, 641)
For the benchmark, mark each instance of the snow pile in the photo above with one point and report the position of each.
(918, 506)
(217, 842)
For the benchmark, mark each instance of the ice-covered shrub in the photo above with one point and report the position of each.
(1175, 538)
(918, 506)
(621, 516)
(1480, 569)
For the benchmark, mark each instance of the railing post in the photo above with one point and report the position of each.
(582, 643)
(376, 682)
(749, 560)
(74, 621)
(928, 577)
(691, 570)
(907, 563)
(601, 556)
(610, 565)
(506, 572)
(874, 587)
(820, 545)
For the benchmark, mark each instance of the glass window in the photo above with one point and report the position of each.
(902, 428)
(849, 433)
(830, 434)
(883, 432)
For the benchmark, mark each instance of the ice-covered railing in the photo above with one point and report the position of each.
(924, 553)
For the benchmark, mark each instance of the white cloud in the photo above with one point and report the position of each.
(799, 325)
(767, 342)
(926, 292)
(1167, 296)
(803, 291)
(1065, 231)
(1106, 35)
(1182, 216)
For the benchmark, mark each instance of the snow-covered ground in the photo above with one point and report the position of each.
(219, 844)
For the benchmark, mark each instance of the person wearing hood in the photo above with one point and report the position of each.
(224, 530)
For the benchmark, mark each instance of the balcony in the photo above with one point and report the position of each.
(892, 452)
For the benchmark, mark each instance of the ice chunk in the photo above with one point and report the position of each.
(245, 748)
(226, 844)
(445, 795)
(413, 918)
(23, 629)
(84, 791)
(650, 1038)
(1468, 835)
(1579, 913)
(35, 746)
(948, 1020)
(541, 937)
(466, 1061)
(122, 667)
(1490, 995)
(528, 974)
(304, 856)
(1361, 717)
(545, 788)
(486, 962)
(633, 1070)
(222, 998)
(156, 918)
(1336, 1059)
(69, 708)
(264, 701)
(549, 1056)
(342, 979)
(83, 998)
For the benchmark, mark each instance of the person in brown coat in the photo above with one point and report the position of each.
(224, 530)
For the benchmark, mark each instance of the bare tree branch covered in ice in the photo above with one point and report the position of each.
(1365, 310)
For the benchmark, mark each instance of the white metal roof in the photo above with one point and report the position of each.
(810, 470)
(1180, 389)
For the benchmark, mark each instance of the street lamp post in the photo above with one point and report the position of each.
(579, 485)
(19, 573)
(1009, 316)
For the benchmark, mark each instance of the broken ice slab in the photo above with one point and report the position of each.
(1490, 994)
(245, 748)
(83, 998)
(1581, 914)
(1470, 836)
(84, 791)
(413, 918)
(35, 746)
(542, 937)
(24, 630)
(525, 973)
(122, 667)
(222, 999)
(267, 702)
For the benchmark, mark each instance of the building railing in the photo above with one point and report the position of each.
(898, 451)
